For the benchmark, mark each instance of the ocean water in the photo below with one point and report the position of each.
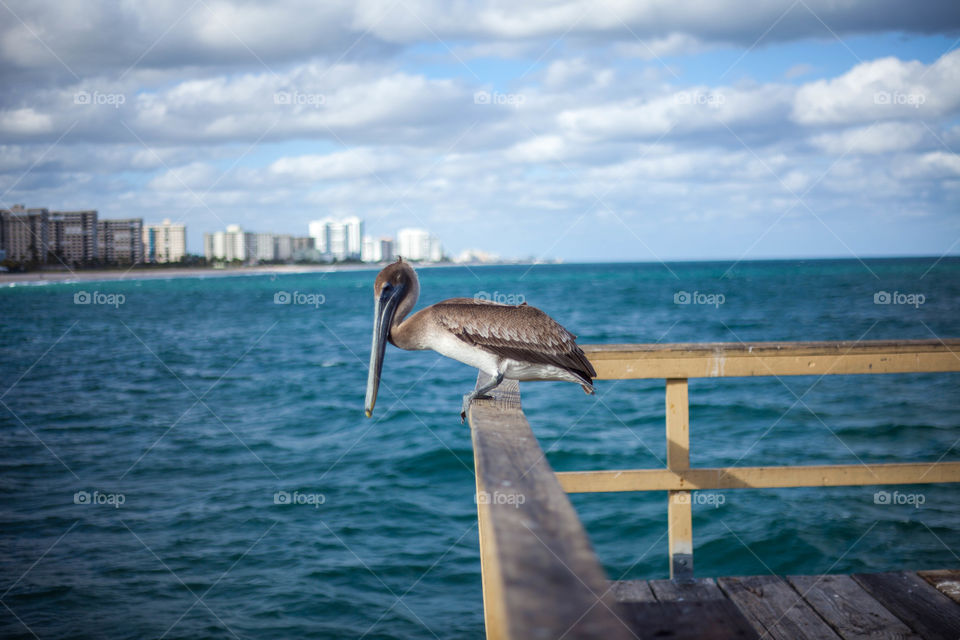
(185, 458)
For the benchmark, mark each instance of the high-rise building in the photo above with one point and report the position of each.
(353, 236)
(73, 236)
(120, 241)
(301, 243)
(342, 239)
(24, 234)
(376, 249)
(164, 242)
(418, 245)
(320, 232)
(283, 247)
(232, 244)
(263, 248)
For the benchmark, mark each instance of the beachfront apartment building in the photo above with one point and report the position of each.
(23, 234)
(72, 236)
(120, 241)
(418, 245)
(340, 239)
(229, 245)
(376, 249)
(165, 242)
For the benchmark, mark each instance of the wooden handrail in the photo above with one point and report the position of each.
(678, 362)
(836, 475)
(541, 578)
(732, 359)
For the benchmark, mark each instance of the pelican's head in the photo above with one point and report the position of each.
(395, 291)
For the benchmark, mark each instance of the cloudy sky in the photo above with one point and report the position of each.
(581, 130)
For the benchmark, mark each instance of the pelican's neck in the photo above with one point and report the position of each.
(402, 331)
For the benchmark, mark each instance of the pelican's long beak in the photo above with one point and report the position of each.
(384, 309)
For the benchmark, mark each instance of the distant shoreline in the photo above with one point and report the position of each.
(105, 275)
(96, 275)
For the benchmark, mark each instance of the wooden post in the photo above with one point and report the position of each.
(679, 512)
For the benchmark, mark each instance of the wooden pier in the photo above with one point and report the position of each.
(541, 578)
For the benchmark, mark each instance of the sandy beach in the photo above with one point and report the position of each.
(100, 275)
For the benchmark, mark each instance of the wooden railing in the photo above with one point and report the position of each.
(540, 576)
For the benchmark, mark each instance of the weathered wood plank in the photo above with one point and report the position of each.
(632, 591)
(716, 616)
(774, 609)
(688, 620)
(850, 610)
(924, 609)
(759, 477)
(726, 359)
(947, 582)
(541, 578)
(678, 590)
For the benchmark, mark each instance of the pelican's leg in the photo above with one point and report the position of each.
(479, 394)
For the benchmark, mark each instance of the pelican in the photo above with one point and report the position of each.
(517, 342)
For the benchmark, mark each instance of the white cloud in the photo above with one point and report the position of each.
(883, 89)
(25, 122)
(882, 137)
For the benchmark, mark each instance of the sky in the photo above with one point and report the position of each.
(585, 131)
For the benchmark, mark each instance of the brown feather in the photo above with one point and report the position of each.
(518, 332)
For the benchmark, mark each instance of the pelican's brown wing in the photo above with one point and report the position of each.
(518, 332)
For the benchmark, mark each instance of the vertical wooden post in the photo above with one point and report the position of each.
(679, 513)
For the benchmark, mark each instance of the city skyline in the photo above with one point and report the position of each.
(328, 240)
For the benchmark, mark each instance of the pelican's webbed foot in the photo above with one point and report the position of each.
(478, 394)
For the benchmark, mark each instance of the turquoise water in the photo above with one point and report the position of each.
(185, 407)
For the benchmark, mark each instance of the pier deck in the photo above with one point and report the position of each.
(873, 605)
